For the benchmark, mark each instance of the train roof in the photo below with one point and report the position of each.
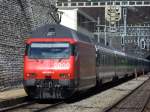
(52, 31)
(113, 51)
(59, 31)
(119, 53)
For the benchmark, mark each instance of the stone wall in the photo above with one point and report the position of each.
(17, 19)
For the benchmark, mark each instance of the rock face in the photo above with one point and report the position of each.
(17, 19)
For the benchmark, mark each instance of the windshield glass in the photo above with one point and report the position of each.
(49, 50)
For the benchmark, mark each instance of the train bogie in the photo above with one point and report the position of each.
(49, 89)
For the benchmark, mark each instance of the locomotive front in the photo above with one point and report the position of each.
(49, 66)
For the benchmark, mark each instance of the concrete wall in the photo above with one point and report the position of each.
(17, 19)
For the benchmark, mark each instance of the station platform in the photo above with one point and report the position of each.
(12, 94)
(12, 97)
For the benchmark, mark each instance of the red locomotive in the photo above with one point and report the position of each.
(58, 61)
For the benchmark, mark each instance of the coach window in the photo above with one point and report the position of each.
(103, 59)
(98, 58)
(106, 59)
(118, 60)
(109, 59)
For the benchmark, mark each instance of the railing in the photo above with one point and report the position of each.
(101, 4)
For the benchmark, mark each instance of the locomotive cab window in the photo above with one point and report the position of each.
(26, 49)
(74, 51)
(49, 50)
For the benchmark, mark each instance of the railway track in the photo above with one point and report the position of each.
(26, 104)
(90, 101)
(22, 104)
(147, 107)
(137, 101)
(32, 106)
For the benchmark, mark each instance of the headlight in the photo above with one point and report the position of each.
(31, 75)
(64, 76)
